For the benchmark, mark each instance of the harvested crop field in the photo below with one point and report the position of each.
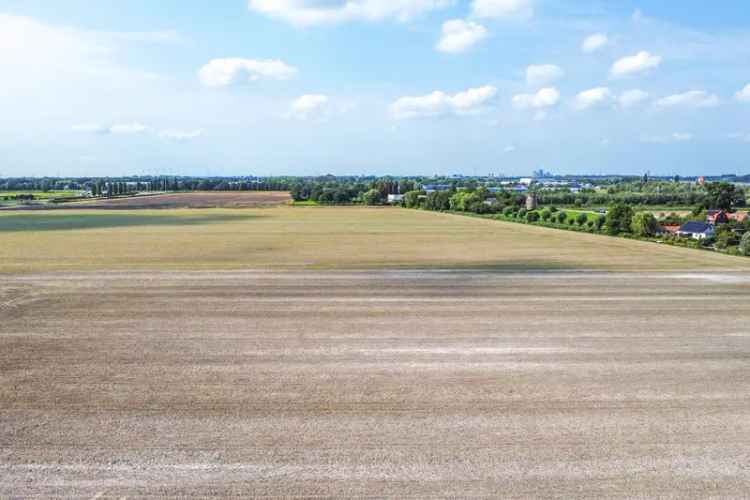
(319, 238)
(375, 383)
(219, 199)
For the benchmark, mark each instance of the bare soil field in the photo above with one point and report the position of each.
(219, 199)
(397, 384)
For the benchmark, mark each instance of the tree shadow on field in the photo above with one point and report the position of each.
(61, 222)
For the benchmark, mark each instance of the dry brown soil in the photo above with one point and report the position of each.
(381, 384)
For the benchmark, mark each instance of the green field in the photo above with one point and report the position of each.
(42, 195)
(317, 238)
(39, 196)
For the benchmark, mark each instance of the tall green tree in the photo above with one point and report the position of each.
(723, 196)
(644, 224)
(744, 247)
(619, 218)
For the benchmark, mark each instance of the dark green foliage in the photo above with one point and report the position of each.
(723, 196)
(582, 219)
(411, 199)
(439, 200)
(372, 197)
(644, 224)
(744, 247)
(619, 219)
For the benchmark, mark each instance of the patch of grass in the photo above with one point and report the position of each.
(41, 195)
(317, 238)
(59, 221)
(308, 203)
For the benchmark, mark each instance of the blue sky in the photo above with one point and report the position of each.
(301, 87)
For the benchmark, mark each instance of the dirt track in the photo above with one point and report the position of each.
(380, 383)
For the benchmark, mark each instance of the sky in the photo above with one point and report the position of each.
(373, 87)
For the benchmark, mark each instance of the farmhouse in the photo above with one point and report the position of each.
(715, 217)
(696, 230)
(395, 198)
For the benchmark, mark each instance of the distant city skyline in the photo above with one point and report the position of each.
(374, 87)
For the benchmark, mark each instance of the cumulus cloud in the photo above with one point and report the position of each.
(744, 94)
(592, 98)
(503, 9)
(459, 36)
(594, 42)
(691, 99)
(230, 71)
(90, 128)
(180, 135)
(128, 128)
(545, 98)
(634, 65)
(33, 54)
(661, 139)
(632, 98)
(309, 106)
(542, 74)
(116, 129)
(438, 103)
(317, 12)
(136, 128)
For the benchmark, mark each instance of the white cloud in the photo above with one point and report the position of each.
(317, 12)
(34, 54)
(90, 128)
(128, 128)
(230, 71)
(307, 107)
(503, 9)
(599, 96)
(545, 98)
(542, 74)
(459, 36)
(180, 135)
(594, 42)
(632, 98)
(744, 94)
(675, 137)
(691, 99)
(116, 129)
(634, 65)
(682, 136)
(438, 103)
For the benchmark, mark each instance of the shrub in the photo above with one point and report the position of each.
(372, 197)
(521, 213)
(562, 217)
(509, 211)
(644, 224)
(744, 247)
(599, 222)
(619, 218)
(546, 214)
(582, 219)
(532, 216)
